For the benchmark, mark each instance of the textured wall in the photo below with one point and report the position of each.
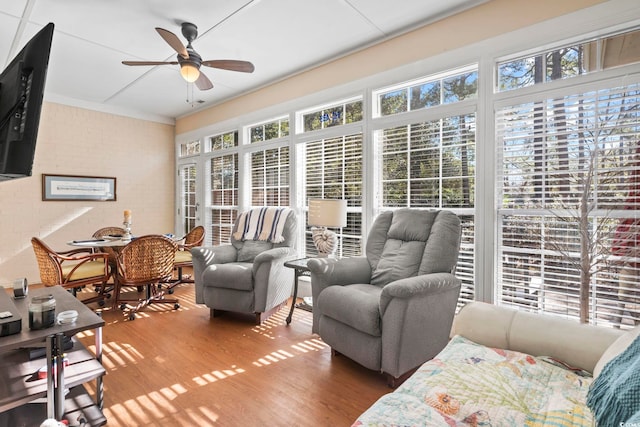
(76, 141)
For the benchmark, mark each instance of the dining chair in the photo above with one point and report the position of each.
(108, 231)
(73, 269)
(192, 239)
(111, 251)
(145, 261)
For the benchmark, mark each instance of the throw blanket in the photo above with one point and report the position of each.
(262, 224)
(470, 385)
(615, 395)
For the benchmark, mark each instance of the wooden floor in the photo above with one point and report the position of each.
(182, 368)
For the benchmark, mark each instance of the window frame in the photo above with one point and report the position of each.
(565, 30)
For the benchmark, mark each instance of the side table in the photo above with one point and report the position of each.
(300, 269)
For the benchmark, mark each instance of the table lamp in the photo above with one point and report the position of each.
(325, 213)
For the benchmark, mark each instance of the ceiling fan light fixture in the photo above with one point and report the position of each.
(189, 72)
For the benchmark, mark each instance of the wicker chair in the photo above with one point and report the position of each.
(145, 261)
(193, 239)
(108, 231)
(112, 252)
(73, 269)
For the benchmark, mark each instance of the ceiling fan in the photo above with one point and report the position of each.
(190, 61)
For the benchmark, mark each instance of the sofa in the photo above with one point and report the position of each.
(505, 367)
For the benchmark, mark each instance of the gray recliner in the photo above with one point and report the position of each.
(246, 276)
(392, 310)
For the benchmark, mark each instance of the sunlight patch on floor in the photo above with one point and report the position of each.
(203, 418)
(173, 391)
(116, 355)
(280, 355)
(274, 321)
(156, 402)
(213, 376)
(309, 345)
(273, 357)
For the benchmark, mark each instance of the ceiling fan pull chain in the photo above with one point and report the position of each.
(190, 98)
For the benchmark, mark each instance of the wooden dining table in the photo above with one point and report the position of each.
(110, 245)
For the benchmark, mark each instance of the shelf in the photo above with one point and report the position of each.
(26, 399)
(19, 383)
(78, 405)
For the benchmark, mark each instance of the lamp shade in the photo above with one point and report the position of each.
(327, 213)
(189, 72)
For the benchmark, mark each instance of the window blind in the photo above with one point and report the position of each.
(224, 197)
(270, 177)
(568, 200)
(333, 170)
(188, 195)
(432, 165)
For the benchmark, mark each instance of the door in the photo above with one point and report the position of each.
(188, 210)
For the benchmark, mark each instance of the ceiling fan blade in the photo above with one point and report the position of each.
(230, 64)
(150, 62)
(203, 82)
(173, 41)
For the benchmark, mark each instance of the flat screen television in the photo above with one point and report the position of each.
(21, 93)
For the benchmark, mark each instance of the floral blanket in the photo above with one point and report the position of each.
(468, 384)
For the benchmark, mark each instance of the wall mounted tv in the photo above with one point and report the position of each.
(21, 93)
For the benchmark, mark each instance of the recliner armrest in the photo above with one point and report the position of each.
(280, 254)
(273, 254)
(214, 254)
(326, 272)
(426, 284)
(202, 257)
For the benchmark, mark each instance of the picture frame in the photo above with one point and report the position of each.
(78, 188)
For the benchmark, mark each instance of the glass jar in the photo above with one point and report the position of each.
(42, 312)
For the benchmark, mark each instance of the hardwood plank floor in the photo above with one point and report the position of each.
(182, 368)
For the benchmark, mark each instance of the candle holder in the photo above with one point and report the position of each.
(127, 231)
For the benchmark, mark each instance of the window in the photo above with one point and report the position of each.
(189, 206)
(223, 141)
(224, 197)
(223, 186)
(342, 113)
(273, 129)
(190, 148)
(429, 92)
(333, 170)
(569, 201)
(569, 61)
(432, 165)
(429, 164)
(270, 177)
(553, 65)
(552, 115)
(614, 51)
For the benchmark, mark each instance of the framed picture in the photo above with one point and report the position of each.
(76, 187)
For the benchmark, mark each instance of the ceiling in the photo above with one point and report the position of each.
(280, 37)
